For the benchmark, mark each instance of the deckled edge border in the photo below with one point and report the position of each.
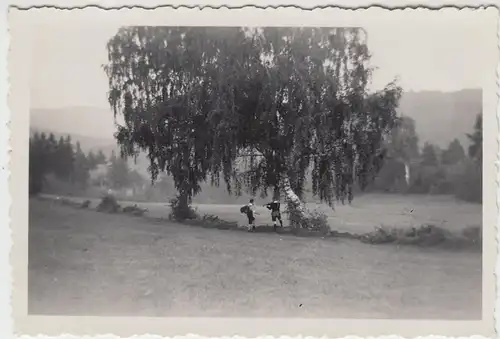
(6, 326)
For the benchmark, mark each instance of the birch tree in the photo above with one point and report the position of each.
(403, 143)
(261, 109)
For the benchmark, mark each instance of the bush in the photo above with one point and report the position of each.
(428, 179)
(390, 178)
(108, 204)
(381, 235)
(464, 180)
(210, 218)
(85, 204)
(181, 211)
(134, 210)
(425, 235)
(317, 221)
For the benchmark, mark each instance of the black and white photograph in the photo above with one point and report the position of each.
(337, 169)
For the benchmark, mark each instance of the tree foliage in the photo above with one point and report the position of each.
(81, 167)
(59, 158)
(402, 150)
(40, 156)
(118, 172)
(476, 140)
(92, 160)
(100, 158)
(403, 140)
(471, 176)
(64, 159)
(429, 155)
(453, 154)
(258, 108)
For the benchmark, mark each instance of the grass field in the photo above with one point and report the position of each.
(365, 213)
(89, 263)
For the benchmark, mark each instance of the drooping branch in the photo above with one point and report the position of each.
(288, 101)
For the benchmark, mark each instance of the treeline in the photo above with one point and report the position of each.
(454, 170)
(67, 162)
(59, 166)
(118, 175)
(432, 170)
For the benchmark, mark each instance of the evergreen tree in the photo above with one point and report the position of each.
(81, 167)
(92, 160)
(51, 149)
(429, 156)
(59, 159)
(37, 164)
(453, 154)
(476, 139)
(100, 158)
(470, 181)
(64, 159)
(44, 152)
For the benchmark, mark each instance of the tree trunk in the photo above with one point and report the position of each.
(407, 173)
(181, 210)
(183, 201)
(298, 212)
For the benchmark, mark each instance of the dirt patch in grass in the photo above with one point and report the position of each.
(89, 263)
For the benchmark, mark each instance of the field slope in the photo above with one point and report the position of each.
(90, 263)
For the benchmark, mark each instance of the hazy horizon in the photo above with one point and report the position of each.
(423, 54)
(108, 107)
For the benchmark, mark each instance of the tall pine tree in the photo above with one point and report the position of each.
(64, 159)
(429, 156)
(453, 154)
(476, 140)
(100, 158)
(80, 167)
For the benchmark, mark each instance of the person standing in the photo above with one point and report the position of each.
(251, 215)
(249, 211)
(274, 207)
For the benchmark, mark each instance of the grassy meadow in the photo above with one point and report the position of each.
(82, 262)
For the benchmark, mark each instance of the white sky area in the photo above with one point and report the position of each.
(444, 55)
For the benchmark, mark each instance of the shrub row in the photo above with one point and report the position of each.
(426, 235)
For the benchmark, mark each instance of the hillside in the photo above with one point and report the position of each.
(441, 117)
(87, 143)
(94, 122)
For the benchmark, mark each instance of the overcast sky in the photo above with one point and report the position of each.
(434, 55)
